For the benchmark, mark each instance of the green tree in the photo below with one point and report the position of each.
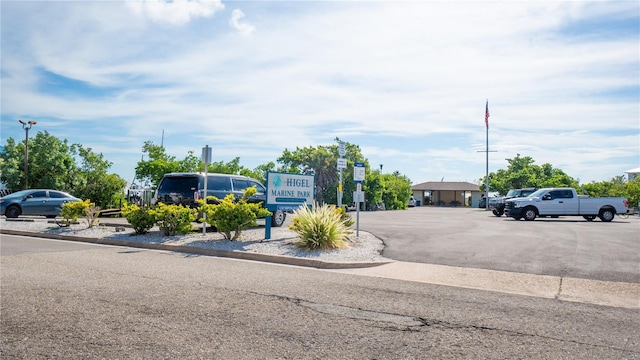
(392, 189)
(94, 182)
(633, 192)
(318, 161)
(51, 163)
(397, 190)
(54, 164)
(523, 172)
(616, 187)
(159, 163)
(260, 172)
(321, 161)
(11, 160)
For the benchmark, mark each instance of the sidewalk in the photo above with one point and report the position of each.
(607, 293)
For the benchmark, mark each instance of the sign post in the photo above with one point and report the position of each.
(206, 158)
(358, 195)
(342, 164)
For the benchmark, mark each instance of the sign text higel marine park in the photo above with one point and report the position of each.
(289, 191)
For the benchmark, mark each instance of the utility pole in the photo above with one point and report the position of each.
(26, 126)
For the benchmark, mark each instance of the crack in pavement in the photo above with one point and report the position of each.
(415, 324)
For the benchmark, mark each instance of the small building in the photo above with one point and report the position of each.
(632, 174)
(446, 193)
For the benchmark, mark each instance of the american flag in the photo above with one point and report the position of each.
(486, 115)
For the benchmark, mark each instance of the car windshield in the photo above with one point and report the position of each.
(512, 192)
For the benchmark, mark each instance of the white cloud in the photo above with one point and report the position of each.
(176, 12)
(243, 28)
(405, 80)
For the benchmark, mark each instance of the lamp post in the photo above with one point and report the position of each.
(26, 126)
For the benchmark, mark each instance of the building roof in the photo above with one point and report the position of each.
(446, 186)
(633, 171)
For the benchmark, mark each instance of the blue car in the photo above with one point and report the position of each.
(42, 202)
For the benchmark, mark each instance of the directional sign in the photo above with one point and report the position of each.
(358, 172)
(342, 163)
(341, 150)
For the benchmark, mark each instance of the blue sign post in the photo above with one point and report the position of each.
(286, 192)
(358, 195)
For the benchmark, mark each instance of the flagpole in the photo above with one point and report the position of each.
(486, 179)
(486, 151)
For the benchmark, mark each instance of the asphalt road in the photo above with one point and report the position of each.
(82, 301)
(565, 246)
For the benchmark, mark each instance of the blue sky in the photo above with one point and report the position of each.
(407, 81)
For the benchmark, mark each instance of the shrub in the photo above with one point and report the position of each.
(92, 212)
(71, 211)
(323, 227)
(174, 219)
(228, 215)
(140, 218)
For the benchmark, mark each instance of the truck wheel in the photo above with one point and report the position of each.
(517, 217)
(12, 212)
(530, 214)
(606, 215)
(589, 217)
(277, 218)
(496, 213)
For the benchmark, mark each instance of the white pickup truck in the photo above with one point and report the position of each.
(564, 202)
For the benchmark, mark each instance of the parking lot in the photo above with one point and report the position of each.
(468, 237)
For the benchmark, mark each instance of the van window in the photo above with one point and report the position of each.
(219, 183)
(259, 187)
(240, 184)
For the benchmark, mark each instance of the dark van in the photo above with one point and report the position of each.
(186, 188)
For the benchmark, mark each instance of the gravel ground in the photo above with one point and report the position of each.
(366, 247)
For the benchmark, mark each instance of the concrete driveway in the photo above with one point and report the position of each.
(467, 237)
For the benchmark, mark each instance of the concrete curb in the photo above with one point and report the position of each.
(243, 255)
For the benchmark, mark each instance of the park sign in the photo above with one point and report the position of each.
(287, 191)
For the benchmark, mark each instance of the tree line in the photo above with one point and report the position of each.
(56, 164)
(392, 189)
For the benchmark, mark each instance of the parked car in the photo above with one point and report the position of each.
(43, 202)
(412, 202)
(496, 204)
(186, 188)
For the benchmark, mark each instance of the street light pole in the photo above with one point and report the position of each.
(26, 126)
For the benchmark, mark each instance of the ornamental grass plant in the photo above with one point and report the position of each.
(321, 227)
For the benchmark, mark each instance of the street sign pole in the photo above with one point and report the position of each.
(358, 196)
(340, 190)
(341, 165)
(206, 157)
